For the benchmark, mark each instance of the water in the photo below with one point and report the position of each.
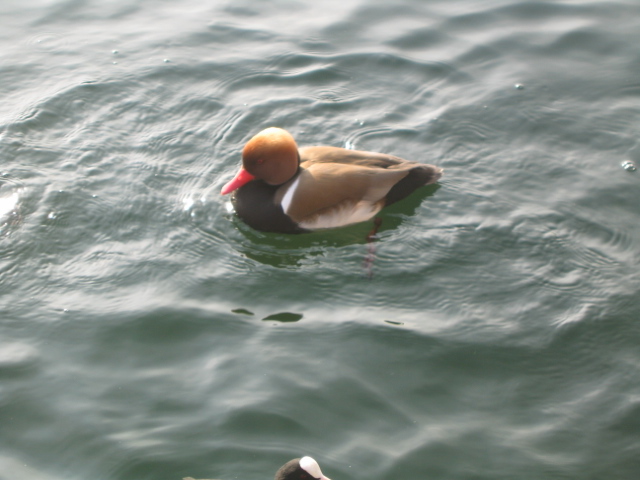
(491, 330)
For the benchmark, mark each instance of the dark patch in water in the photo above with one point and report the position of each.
(285, 317)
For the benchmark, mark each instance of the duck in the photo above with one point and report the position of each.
(305, 468)
(285, 189)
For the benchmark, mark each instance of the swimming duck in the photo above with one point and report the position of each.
(281, 188)
(305, 468)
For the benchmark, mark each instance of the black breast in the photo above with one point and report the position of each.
(254, 204)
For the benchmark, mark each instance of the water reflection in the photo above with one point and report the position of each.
(9, 214)
(8, 204)
(284, 251)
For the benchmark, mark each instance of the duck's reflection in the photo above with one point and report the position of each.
(286, 250)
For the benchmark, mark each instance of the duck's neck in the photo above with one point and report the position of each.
(298, 169)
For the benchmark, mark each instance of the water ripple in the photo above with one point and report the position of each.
(500, 316)
(16, 359)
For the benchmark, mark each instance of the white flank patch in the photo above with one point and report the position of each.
(344, 215)
(310, 466)
(288, 196)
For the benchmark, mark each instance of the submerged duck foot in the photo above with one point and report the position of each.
(371, 248)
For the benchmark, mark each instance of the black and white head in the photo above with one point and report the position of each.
(305, 468)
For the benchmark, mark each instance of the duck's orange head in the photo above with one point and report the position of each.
(270, 156)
